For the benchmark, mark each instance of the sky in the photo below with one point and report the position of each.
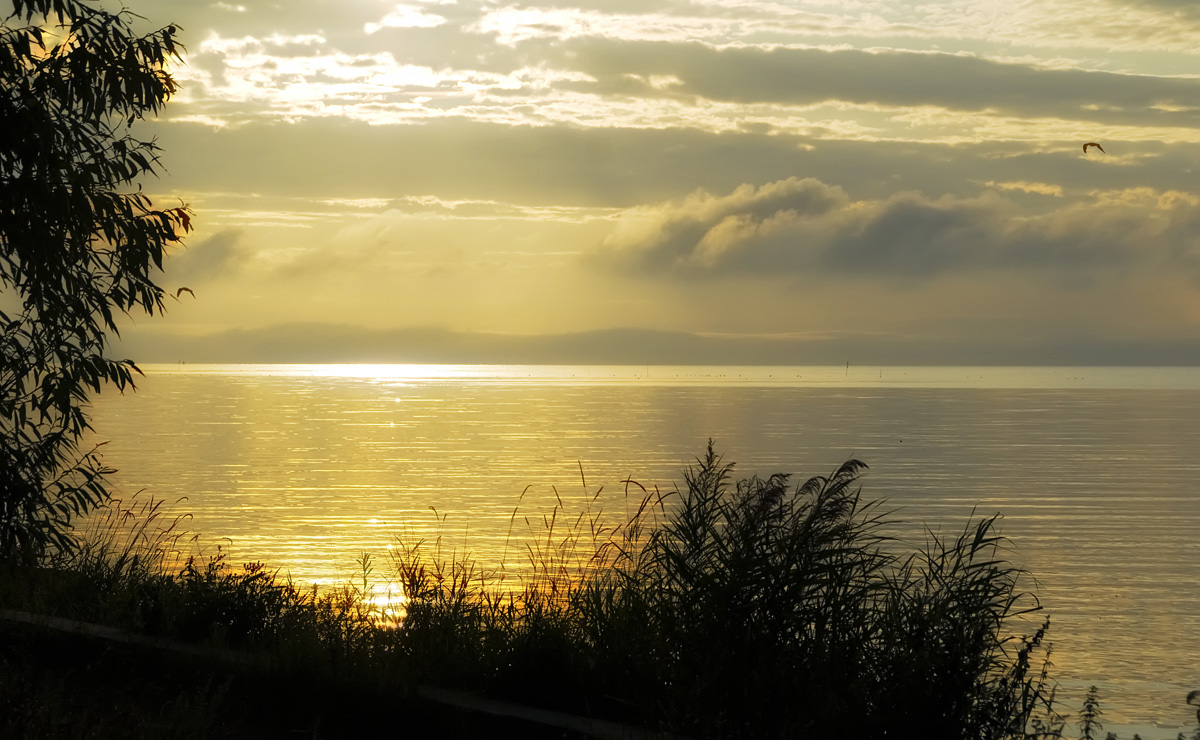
(693, 181)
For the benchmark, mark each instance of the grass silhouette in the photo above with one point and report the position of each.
(726, 608)
(748, 608)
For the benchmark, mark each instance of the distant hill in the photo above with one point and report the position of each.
(330, 343)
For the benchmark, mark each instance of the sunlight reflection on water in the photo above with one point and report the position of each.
(1094, 469)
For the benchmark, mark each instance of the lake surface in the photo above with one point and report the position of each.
(1095, 470)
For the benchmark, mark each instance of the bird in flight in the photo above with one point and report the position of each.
(183, 290)
(1092, 143)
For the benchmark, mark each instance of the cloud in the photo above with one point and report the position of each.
(959, 70)
(600, 81)
(216, 256)
(1040, 188)
(1109, 25)
(705, 231)
(806, 226)
(1090, 24)
(896, 79)
(406, 16)
(556, 166)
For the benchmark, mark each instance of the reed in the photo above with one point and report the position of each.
(747, 608)
(138, 568)
(121, 550)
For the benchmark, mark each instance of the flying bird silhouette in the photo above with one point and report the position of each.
(1092, 143)
(181, 291)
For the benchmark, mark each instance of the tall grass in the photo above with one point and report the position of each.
(138, 568)
(747, 608)
(120, 551)
(728, 608)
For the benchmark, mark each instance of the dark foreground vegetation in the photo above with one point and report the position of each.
(55, 685)
(726, 609)
(747, 609)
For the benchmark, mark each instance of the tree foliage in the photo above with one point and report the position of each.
(79, 245)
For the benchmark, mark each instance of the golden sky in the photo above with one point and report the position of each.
(738, 180)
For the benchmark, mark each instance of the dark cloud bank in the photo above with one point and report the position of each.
(889, 78)
(806, 226)
(615, 167)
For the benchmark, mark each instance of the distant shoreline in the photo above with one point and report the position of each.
(330, 343)
(766, 376)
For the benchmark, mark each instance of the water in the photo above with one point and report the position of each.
(1095, 472)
